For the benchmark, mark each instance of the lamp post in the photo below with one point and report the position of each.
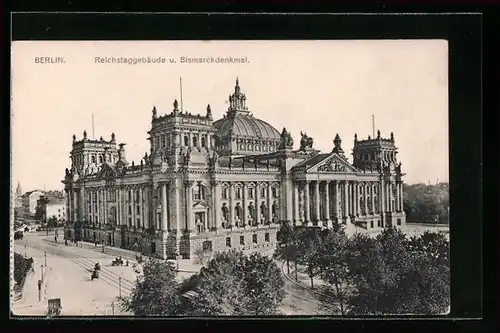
(41, 272)
(45, 256)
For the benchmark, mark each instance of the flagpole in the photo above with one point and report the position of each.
(180, 81)
(373, 125)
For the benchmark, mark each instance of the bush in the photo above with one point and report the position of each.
(21, 267)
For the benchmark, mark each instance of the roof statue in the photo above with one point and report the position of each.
(286, 139)
(209, 111)
(176, 106)
(305, 141)
(155, 113)
(85, 134)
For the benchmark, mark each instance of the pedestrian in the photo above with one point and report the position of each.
(66, 241)
(55, 239)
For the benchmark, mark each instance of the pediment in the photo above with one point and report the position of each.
(106, 173)
(201, 205)
(333, 164)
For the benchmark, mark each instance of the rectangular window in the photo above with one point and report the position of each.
(378, 223)
(129, 221)
(90, 218)
(266, 237)
(228, 241)
(238, 193)
(242, 240)
(130, 195)
(399, 222)
(224, 193)
(130, 210)
(371, 224)
(275, 192)
(138, 223)
(138, 209)
(250, 193)
(254, 238)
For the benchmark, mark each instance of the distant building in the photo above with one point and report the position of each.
(50, 206)
(30, 201)
(19, 196)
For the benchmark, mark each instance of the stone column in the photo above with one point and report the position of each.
(346, 201)
(146, 205)
(118, 207)
(365, 202)
(82, 205)
(269, 202)
(336, 214)
(401, 197)
(257, 203)
(382, 202)
(189, 205)
(141, 211)
(327, 204)
(307, 199)
(98, 206)
(316, 198)
(134, 213)
(296, 203)
(372, 190)
(216, 205)
(232, 215)
(245, 209)
(164, 207)
(391, 192)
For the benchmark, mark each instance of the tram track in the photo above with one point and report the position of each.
(106, 275)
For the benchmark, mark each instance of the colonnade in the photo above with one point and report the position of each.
(341, 200)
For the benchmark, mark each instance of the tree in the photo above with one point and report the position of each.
(52, 222)
(233, 284)
(309, 246)
(156, 291)
(202, 256)
(393, 275)
(332, 260)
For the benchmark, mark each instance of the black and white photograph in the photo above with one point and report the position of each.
(230, 178)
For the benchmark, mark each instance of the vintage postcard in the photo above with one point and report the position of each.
(230, 178)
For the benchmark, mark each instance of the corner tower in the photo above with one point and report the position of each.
(87, 154)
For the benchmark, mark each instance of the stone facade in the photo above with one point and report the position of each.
(225, 184)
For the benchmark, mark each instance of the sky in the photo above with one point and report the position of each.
(318, 87)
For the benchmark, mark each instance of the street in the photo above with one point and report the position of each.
(67, 276)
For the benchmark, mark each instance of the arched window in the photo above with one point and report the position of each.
(225, 213)
(263, 211)
(199, 192)
(203, 142)
(376, 204)
(237, 212)
(93, 159)
(251, 192)
(362, 205)
(100, 158)
(195, 141)
(274, 210)
(162, 139)
(251, 211)
(369, 202)
(186, 140)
